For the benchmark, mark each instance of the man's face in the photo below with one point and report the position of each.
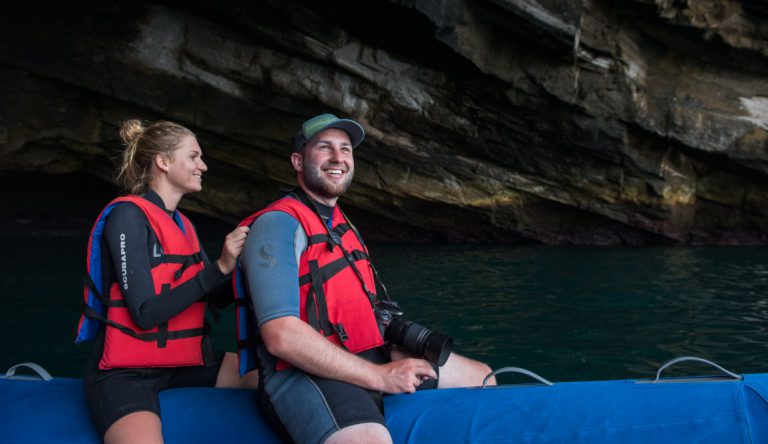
(326, 165)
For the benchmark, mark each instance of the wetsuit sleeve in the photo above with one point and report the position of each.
(222, 293)
(127, 235)
(270, 260)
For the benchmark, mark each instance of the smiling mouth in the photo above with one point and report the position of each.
(335, 171)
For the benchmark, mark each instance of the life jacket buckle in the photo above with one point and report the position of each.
(333, 239)
(341, 332)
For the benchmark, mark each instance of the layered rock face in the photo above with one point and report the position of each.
(551, 121)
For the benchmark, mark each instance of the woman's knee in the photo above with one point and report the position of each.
(367, 432)
(135, 428)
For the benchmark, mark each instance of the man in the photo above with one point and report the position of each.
(322, 359)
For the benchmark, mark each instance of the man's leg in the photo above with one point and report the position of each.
(308, 409)
(459, 371)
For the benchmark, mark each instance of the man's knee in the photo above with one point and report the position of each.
(367, 432)
(460, 371)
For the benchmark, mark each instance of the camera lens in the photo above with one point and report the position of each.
(435, 347)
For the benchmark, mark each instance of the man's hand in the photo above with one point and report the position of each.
(294, 341)
(233, 246)
(405, 375)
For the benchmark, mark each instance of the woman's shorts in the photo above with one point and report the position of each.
(112, 394)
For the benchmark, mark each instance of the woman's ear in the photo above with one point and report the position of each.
(161, 162)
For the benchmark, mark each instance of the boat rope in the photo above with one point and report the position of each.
(515, 370)
(11, 373)
(693, 358)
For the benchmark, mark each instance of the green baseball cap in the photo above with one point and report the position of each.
(323, 122)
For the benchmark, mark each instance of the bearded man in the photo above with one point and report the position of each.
(312, 292)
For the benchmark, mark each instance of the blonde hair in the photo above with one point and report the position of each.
(143, 141)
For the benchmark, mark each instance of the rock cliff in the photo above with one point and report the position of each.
(552, 121)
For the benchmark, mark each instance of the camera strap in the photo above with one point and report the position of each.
(376, 278)
(334, 240)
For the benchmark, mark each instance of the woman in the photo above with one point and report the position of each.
(148, 282)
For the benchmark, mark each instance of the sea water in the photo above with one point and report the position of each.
(566, 313)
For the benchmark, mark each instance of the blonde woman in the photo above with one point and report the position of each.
(147, 287)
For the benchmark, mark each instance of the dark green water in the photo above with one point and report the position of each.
(567, 313)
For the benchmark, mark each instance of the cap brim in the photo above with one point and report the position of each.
(353, 129)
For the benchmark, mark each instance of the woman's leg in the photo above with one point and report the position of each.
(135, 428)
(229, 374)
(124, 404)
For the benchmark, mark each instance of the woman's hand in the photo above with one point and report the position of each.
(233, 246)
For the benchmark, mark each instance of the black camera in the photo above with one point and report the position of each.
(395, 329)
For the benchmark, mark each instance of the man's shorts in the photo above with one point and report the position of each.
(305, 408)
(112, 394)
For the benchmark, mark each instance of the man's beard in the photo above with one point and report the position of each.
(316, 183)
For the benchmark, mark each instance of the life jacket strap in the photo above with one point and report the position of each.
(186, 261)
(316, 300)
(317, 239)
(88, 281)
(342, 228)
(182, 258)
(317, 303)
(147, 337)
(209, 357)
(330, 269)
(95, 315)
(162, 335)
(169, 335)
(324, 238)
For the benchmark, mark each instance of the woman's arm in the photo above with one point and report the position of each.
(134, 249)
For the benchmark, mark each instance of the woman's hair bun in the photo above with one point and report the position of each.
(130, 130)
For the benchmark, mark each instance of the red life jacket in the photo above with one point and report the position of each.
(177, 342)
(332, 297)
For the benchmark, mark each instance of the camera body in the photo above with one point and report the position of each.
(395, 329)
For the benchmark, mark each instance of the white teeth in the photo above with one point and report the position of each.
(335, 171)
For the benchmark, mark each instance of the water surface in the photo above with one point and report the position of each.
(567, 313)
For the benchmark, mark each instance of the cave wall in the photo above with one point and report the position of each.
(552, 121)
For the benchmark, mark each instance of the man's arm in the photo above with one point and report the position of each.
(270, 260)
(294, 341)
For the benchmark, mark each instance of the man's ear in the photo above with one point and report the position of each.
(297, 160)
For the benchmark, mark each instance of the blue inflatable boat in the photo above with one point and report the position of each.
(723, 409)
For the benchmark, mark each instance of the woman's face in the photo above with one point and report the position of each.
(186, 166)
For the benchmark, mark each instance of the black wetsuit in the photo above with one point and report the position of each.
(115, 393)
